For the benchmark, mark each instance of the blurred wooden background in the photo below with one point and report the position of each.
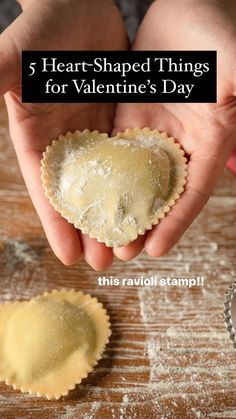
(169, 355)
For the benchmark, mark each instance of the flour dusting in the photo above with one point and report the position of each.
(86, 167)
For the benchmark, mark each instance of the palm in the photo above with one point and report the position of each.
(34, 126)
(205, 131)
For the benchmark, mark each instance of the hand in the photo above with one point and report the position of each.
(207, 132)
(56, 25)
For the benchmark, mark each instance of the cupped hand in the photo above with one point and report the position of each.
(207, 132)
(57, 25)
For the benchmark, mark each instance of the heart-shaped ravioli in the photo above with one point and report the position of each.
(114, 189)
(50, 343)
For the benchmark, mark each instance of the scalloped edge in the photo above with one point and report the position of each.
(230, 294)
(131, 132)
(84, 297)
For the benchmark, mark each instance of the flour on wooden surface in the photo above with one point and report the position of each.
(21, 266)
(153, 301)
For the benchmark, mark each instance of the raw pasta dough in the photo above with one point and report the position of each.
(114, 189)
(50, 343)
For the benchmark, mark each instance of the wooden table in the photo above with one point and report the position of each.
(169, 355)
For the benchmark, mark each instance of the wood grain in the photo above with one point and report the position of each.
(169, 355)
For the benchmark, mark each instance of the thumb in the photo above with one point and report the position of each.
(10, 60)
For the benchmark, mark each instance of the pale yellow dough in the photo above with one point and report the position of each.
(50, 343)
(114, 189)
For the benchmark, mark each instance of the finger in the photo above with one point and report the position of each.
(231, 163)
(203, 174)
(133, 249)
(62, 236)
(130, 115)
(97, 255)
